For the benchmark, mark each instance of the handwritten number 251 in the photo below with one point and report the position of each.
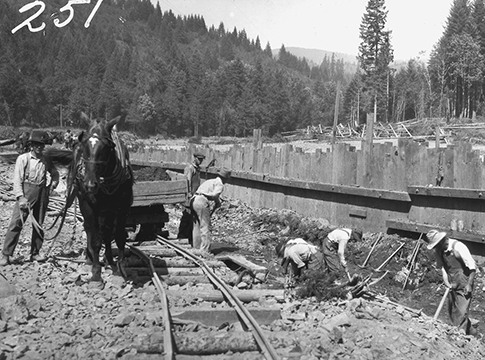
(57, 22)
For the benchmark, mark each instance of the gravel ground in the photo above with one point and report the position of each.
(55, 314)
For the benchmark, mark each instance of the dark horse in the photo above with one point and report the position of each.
(101, 177)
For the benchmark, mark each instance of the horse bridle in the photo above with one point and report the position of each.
(110, 184)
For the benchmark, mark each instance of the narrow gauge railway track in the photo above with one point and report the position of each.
(173, 346)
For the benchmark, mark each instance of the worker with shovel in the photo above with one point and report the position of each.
(209, 191)
(333, 249)
(299, 254)
(458, 269)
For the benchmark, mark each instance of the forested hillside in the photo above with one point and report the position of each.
(174, 76)
(169, 75)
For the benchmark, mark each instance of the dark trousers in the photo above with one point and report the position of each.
(186, 226)
(38, 200)
(330, 257)
(458, 307)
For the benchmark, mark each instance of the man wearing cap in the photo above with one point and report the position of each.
(209, 190)
(334, 246)
(299, 254)
(192, 174)
(33, 177)
(458, 269)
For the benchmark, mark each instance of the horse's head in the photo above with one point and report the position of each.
(98, 153)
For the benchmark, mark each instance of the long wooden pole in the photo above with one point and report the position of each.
(442, 302)
(389, 258)
(335, 115)
(371, 250)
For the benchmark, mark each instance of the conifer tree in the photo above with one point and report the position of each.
(375, 54)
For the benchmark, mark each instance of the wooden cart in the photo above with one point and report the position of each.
(149, 198)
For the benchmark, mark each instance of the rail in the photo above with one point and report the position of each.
(244, 314)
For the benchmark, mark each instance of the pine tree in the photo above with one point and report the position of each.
(376, 53)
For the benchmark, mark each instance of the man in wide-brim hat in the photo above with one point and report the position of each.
(458, 268)
(33, 177)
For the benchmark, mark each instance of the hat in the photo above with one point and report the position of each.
(225, 173)
(434, 237)
(39, 136)
(357, 235)
(199, 156)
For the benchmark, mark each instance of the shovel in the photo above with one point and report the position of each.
(442, 302)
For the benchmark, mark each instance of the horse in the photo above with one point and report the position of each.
(101, 177)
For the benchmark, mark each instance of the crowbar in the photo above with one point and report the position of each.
(389, 258)
(442, 302)
(371, 251)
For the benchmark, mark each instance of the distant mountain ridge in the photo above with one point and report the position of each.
(316, 56)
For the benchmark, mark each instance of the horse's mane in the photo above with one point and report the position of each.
(60, 157)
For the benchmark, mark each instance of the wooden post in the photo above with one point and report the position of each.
(257, 143)
(368, 145)
(437, 136)
(60, 114)
(335, 116)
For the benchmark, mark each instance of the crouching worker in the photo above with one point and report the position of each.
(299, 254)
(458, 269)
(333, 249)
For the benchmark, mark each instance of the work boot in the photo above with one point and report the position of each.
(38, 258)
(4, 259)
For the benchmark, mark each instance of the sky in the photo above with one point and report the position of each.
(330, 25)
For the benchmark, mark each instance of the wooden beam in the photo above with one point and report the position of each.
(424, 228)
(340, 189)
(447, 192)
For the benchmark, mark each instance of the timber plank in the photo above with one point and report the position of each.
(159, 187)
(447, 192)
(217, 317)
(449, 166)
(342, 189)
(242, 261)
(424, 228)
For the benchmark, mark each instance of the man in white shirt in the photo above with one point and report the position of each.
(34, 176)
(209, 190)
(334, 246)
(458, 269)
(299, 254)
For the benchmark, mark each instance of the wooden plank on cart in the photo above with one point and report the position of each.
(148, 193)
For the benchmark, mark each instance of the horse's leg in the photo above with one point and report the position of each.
(93, 244)
(106, 233)
(89, 225)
